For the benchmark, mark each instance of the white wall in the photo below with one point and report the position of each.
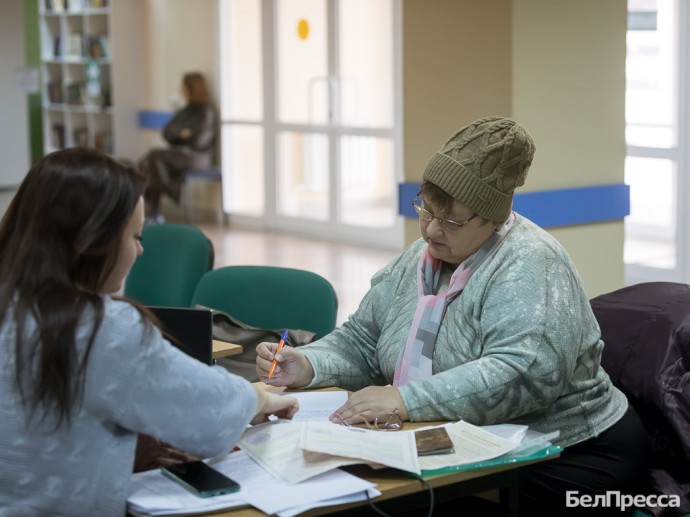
(181, 37)
(569, 90)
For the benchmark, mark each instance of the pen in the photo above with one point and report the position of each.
(280, 346)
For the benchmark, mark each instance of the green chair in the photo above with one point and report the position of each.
(175, 257)
(271, 297)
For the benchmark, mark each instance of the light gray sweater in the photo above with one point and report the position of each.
(519, 345)
(135, 382)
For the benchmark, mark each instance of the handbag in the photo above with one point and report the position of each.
(230, 329)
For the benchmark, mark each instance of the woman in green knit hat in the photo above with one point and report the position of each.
(483, 319)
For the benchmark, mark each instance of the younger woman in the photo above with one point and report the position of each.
(83, 372)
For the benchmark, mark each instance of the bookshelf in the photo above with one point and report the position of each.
(91, 74)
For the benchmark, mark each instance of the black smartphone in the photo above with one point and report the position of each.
(200, 479)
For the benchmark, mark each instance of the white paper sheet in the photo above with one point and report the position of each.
(317, 405)
(153, 494)
(471, 444)
(273, 498)
(275, 446)
(394, 449)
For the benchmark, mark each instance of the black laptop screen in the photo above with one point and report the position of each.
(190, 330)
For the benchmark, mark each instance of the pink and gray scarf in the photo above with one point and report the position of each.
(414, 361)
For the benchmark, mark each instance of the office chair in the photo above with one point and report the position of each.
(211, 174)
(175, 257)
(271, 297)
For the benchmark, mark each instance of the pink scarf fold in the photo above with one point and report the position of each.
(415, 360)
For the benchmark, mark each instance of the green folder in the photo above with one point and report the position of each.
(545, 452)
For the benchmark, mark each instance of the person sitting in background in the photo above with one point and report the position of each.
(484, 319)
(192, 134)
(82, 371)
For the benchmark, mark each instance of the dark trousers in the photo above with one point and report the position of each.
(165, 169)
(616, 460)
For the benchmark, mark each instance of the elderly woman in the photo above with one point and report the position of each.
(484, 319)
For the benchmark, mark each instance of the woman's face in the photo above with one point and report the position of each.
(453, 246)
(130, 249)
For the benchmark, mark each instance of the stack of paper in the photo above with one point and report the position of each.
(152, 494)
(295, 451)
(296, 462)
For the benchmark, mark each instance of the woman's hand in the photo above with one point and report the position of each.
(293, 369)
(152, 453)
(370, 404)
(272, 404)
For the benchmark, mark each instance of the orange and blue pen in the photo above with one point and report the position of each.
(280, 346)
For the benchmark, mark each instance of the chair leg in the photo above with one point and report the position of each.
(220, 213)
(187, 202)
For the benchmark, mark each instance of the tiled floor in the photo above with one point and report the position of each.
(348, 267)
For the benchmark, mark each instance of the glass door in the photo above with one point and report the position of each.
(310, 109)
(656, 167)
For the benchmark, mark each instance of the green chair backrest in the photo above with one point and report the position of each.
(175, 257)
(271, 297)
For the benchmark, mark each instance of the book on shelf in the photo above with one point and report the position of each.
(58, 135)
(55, 6)
(105, 45)
(57, 47)
(55, 91)
(75, 45)
(97, 46)
(75, 93)
(81, 137)
(75, 5)
(105, 96)
(104, 141)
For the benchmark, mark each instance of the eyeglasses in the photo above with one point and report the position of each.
(446, 224)
(393, 423)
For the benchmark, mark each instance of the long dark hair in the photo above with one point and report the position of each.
(59, 242)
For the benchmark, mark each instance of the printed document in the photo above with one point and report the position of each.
(153, 494)
(472, 444)
(393, 449)
(317, 405)
(275, 446)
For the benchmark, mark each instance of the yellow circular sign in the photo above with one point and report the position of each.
(303, 29)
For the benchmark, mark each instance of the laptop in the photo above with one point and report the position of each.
(190, 330)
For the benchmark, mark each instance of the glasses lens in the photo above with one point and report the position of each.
(392, 423)
(449, 226)
(423, 214)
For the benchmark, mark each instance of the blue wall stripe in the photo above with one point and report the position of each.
(153, 119)
(551, 208)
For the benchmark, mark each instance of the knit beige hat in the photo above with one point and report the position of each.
(482, 164)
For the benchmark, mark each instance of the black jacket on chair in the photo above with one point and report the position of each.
(646, 333)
